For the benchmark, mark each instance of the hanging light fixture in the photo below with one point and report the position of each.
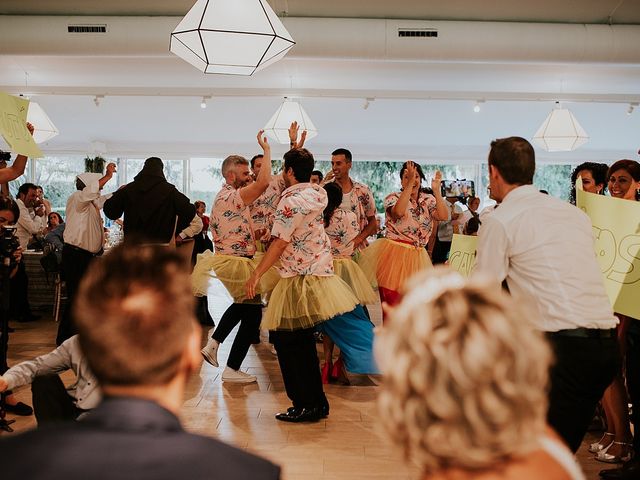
(560, 132)
(290, 111)
(235, 37)
(44, 129)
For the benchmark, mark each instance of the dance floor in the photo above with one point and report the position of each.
(348, 445)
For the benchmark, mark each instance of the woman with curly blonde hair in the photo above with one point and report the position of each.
(464, 391)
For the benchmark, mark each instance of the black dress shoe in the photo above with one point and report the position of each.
(629, 471)
(324, 410)
(299, 415)
(19, 408)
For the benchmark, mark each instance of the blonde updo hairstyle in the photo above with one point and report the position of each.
(466, 376)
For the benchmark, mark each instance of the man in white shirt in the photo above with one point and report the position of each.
(29, 223)
(543, 248)
(83, 238)
(52, 402)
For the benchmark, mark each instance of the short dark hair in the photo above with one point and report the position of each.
(255, 157)
(630, 166)
(197, 204)
(301, 161)
(318, 173)
(134, 313)
(514, 158)
(345, 152)
(25, 187)
(7, 203)
(598, 172)
(60, 219)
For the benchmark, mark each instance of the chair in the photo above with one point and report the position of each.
(59, 295)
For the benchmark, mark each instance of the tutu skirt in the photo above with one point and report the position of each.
(391, 263)
(353, 333)
(352, 274)
(233, 272)
(306, 300)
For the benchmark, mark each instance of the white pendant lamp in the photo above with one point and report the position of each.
(44, 129)
(560, 132)
(234, 37)
(290, 111)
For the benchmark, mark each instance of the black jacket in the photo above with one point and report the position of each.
(126, 438)
(150, 205)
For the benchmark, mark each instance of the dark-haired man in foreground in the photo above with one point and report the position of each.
(134, 312)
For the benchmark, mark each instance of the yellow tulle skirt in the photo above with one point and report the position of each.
(233, 272)
(352, 274)
(391, 263)
(307, 300)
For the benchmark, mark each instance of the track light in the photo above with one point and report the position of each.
(632, 106)
(367, 102)
(97, 99)
(203, 104)
(476, 107)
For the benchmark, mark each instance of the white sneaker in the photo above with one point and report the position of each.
(210, 352)
(236, 376)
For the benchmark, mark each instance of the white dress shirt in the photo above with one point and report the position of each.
(28, 224)
(84, 224)
(67, 356)
(544, 248)
(194, 228)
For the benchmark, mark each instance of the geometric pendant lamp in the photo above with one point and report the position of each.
(560, 132)
(44, 129)
(233, 37)
(290, 111)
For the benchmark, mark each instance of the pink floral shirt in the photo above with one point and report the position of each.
(298, 221)
(264, 207)
(342, 229)
(416, 225)
(361, 202)
(231, 224)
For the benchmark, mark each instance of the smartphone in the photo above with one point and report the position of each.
(458, 188)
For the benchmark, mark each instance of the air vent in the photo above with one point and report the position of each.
(87, 28)
(421, 32)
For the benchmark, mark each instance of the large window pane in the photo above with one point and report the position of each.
(205, 180)
(173, 171)
(57, 177)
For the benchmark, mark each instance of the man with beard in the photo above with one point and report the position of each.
(232, 263)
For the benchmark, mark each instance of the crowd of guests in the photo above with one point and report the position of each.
(498, 376)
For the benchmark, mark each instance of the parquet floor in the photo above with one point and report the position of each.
(345, 446)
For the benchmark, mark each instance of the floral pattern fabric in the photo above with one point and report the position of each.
(416, 225)
(362, 203)
(231, 224)
(264, 207)
(343, 228)
(298, 221)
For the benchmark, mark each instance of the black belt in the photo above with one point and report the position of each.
(82, 250)
(584, 333)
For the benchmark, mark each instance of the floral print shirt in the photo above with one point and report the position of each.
(360, 201)
(298, 221)
(264, 207)
(416, 225)
(231, 224)
(342, 229)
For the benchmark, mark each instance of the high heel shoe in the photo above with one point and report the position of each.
(602, 443)
(339, 374)
(326, 371)
(604, 456)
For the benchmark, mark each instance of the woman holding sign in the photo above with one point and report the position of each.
(615, 446)
(409, 216)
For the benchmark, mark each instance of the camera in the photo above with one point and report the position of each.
(458, 188)
(9, 243)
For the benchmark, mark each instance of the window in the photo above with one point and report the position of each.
(205, 180)
(173, 171)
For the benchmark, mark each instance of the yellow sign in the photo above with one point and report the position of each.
(13, 126)
(616, 230)
(462, 256)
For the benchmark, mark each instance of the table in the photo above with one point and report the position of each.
(42, 286)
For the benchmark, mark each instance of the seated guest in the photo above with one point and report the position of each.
(52, 402)
(138, 333)
(465, 377)
(55, 234)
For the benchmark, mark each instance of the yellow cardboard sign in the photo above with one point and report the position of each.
(13, 120)
(616, 231)
(462, 256)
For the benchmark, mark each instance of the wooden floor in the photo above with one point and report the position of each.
(345, 446)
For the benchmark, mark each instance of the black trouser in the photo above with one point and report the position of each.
(202, 311)
(75, 263)
(19, 302)
(583, 368)
(249, 316)
(298, 359)
(440, 251)
(633, 379)
(51, 402)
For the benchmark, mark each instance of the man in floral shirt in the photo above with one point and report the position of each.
(308, 293)
(356, 197)
(233, 239)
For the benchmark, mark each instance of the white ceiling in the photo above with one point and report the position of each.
(423, 109)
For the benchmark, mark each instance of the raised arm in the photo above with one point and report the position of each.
(442, 211)
(399, 210)
(250, 193)
(293, 136)
(19, 164)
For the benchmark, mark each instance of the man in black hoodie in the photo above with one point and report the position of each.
(150, 205)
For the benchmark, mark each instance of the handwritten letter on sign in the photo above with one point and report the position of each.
(462, 256)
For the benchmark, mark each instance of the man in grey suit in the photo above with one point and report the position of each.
(134, 313)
